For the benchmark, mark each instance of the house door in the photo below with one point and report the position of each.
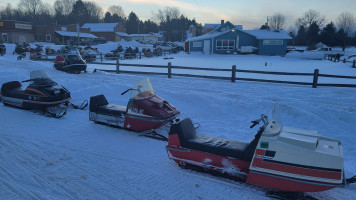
(206, 49)
(237, 42)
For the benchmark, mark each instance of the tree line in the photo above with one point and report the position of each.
(64, 12)
(311, 29)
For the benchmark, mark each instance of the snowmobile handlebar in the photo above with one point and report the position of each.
(257, 121)
(126, 91)
(129, 90)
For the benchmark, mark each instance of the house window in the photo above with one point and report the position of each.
(225, 44)
(198, 44)
(48, 38)
(272, 42)
(4, 37)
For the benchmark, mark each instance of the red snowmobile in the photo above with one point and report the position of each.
(289, 160)
(145, 110)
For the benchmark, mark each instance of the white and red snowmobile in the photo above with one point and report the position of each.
(144, 112)
(288, 160)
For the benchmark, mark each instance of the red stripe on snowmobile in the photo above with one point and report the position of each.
(258, 162)
(285, 183)
(48, 103)
(34, 90)
(260, 152)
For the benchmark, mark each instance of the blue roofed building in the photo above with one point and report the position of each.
(228, 39)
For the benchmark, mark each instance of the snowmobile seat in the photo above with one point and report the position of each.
(112, 109)
(13, 89)
(100, 105)
(220, 146)
(96, 102)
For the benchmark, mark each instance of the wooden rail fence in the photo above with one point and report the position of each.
(315, 76)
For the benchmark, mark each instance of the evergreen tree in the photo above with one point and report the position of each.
(132, 24)
(300, 39)
(313, 34)
(328, 35)
(79, 13)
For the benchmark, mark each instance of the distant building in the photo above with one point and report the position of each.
(61, 34)
(227, 39)
(12, 31)
(123, 36)
(210, 27)
(192, 31)
(106, 30)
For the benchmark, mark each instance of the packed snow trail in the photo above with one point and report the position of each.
(74, 158)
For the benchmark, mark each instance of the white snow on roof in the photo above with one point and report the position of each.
(268, 34)
(100, 27)
(122, 34)
(239, 27)
(138, 35)
(214, 26)
(206, 36)
(211, 26)
(75, 34)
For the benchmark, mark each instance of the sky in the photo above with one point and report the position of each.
(249, 13)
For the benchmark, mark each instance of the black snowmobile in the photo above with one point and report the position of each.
(2, 49)
(42, 94)
(72, 63)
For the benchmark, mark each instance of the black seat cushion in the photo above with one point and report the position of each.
(220, 146)
(14, 91)
(96, 102)
(10, 85)
(111, 109)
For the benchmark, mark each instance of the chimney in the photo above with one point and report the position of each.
(222, 23)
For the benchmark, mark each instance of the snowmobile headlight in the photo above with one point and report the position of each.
(57, 92)
(160, 104)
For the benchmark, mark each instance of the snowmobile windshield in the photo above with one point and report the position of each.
(142, 89)
(40, 77)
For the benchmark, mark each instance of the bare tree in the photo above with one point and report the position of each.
(63, 7)
(277, 21)
(310, 17)
(117, 10)
(347, 22)
(95, 12)
(31, 7)
(167, 13)
(7, 12)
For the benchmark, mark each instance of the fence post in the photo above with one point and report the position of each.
(169, 70)
(101, 57)
(117, 66)
(354, 64)
(233, 74)
(315, 78)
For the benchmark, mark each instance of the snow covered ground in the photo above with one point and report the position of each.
(73, 158)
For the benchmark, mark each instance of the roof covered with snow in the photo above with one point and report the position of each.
(100, 27)
(206, 36)
(75, 34)
(122, 34)
(214, 26)
(268, 34)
